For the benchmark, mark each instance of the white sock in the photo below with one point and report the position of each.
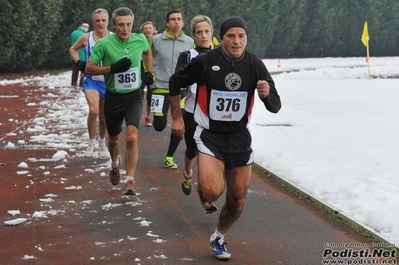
(129, 178)
(187, 176)
(217, 234)
(92, 142)
(101, 141)
(115, 164)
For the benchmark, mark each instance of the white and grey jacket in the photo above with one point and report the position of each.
(166, 51)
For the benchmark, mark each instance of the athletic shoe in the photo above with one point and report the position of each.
(114, 174)
(102, 150)
(209, 207)
(169, 163)
(148, 122)
(90, 151)
(129, 188)
(186, 185)
(219, 249)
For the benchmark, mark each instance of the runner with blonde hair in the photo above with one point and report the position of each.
(201, 30)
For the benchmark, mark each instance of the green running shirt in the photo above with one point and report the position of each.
(111, 49)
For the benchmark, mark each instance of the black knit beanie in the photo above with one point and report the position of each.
(231, 22)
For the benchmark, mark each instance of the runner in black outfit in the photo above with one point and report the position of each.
(202, 31)
(228, 78)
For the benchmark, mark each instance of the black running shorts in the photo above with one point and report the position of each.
(234, 149)
(119, 107)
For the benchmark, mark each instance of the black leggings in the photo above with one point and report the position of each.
(189, 129)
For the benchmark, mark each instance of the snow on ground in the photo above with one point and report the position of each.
(335, 137)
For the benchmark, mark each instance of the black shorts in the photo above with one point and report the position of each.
(160, 119)
(119, 107)
(166, 103)
(233, 149)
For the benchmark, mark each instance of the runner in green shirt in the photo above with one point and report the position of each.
(118, 58)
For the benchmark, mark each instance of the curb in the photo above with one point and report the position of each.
(330, 209)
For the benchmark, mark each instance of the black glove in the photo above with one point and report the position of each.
(148, 78)
(121, 66)
(81, 65)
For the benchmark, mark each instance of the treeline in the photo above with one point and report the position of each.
(35, 34)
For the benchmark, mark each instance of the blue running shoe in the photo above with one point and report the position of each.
(219, 248)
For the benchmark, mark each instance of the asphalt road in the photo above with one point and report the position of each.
(87, 221)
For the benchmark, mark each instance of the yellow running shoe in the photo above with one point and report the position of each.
(169, 163)
(186, 185)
